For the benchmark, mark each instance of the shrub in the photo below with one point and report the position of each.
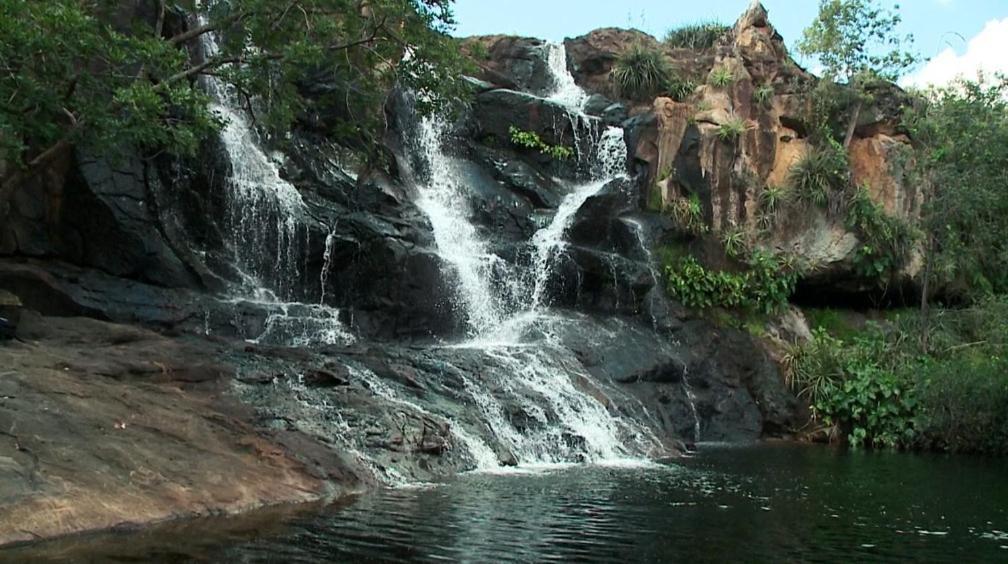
(734, 243)
(773, 198)
(818, 174)
(697, 36)
(679, 88)
(847, 386)
(879, 388)
(641, 72)
(721, 77)
(732, 128)
(763, 287)
(887, 240)
(688, 214)
(964, 404)
(763, 96)
(531, 140)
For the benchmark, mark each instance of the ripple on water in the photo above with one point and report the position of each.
(825, 506)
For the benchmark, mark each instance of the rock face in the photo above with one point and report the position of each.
(685, 153)
(515, 63)
(114, 426)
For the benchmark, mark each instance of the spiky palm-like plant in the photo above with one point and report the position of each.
(641, 72)
(733, 128)
(816, 175)
(721, 77)
(698, 36)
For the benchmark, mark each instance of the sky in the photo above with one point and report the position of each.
(957, 36)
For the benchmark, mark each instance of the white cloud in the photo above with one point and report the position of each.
(985, 52)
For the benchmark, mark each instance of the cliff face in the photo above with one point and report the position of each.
(685, 156)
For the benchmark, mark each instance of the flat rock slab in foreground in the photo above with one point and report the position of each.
(99, 428)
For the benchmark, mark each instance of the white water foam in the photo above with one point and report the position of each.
(565, 90)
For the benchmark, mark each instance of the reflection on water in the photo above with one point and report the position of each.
(768, 503)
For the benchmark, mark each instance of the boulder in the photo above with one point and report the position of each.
(590, 57)
(516, 63)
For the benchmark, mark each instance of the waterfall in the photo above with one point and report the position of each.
(564, 421)
(444, 200)
(565, 90)
(609, 164)
(268, 235)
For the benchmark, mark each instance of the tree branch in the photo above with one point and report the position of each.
(208, 27)
(13, 179)
(216, 62)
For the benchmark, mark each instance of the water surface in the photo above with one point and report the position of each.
(774, 503)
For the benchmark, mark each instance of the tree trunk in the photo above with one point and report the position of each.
(852, 125)
(925, 306)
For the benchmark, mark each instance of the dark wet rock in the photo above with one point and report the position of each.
(524, 179)
(518, 63)
(332, 375)
(497, 111)
(611, 113)
(717, 377)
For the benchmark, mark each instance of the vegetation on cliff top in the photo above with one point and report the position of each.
(696, 36)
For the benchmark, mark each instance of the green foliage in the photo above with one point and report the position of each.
(688, 214)
(847, 386)
(477, 50)
(961, 140)
(880, 389)
(655, 202)
(697, 36)
(70, 74)
(818, 174)
(721, 77)
(853, 37)
(763, 96)
(764, 286)
(964, 404)
(641, 72)
(773, 198)
(679, 88)
(734, 242)
(696, 286)
(531, 140)
(830, 320)
(733, 128)
(886, 240)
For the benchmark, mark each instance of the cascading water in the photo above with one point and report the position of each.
(565, 90)
(563, 422)
(267, 234)
(444, 200)
(609, 163)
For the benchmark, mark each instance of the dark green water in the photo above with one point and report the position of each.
(770, 503)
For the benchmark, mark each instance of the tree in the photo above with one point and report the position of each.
(856, 42)
(960, 134)
(72, 72)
